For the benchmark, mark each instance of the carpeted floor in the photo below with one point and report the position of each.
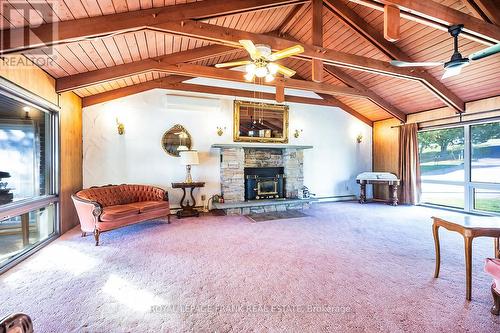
(345, 268)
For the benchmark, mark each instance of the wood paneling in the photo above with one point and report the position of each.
(33, 79)
(26, 74)
(71, 156)
(385, 152)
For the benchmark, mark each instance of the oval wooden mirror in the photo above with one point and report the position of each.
(176, 140)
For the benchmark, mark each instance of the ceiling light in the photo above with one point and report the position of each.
(249, 77)
(26, 109)
(269, 77)
(273, 68)
(261, 71)
(453, 70)
(250, 68)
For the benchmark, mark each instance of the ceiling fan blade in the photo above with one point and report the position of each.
(398, 63)
(233, 64)
(288, 52)
(485, 52)
(250, 47)
(285, 70)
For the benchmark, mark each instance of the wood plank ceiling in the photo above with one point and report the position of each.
(418, 41)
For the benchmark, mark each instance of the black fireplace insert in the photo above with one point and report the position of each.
(264, 183)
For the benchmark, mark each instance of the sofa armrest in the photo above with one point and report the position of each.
(88, 213)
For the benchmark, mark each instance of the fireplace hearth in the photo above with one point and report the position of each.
(264, 183)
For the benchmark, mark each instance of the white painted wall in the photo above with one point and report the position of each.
(137, 157)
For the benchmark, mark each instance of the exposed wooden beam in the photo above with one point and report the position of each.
(440, 16)
(130, 90)
(487, 10)
(280, 90)
(115, 72)
(375, 98)
(14, 40)
(392, 22)
(358, 24)
(85, 79)
(290, 19)
(317, 38)
(229, 36)
(166, 84)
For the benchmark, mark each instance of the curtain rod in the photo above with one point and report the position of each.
(451, 117)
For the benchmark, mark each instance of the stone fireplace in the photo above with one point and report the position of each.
(236, 157)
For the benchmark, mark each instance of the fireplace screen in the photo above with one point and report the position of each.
(264, 183)
(266, 187)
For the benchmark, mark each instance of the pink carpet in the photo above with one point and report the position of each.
(346, 268)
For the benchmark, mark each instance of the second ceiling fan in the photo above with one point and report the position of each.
(457, 61)
(262, 63)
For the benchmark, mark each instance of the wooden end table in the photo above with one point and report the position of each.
(188, 207)
(469, 227)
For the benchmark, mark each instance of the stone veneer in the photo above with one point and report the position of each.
(235, 159)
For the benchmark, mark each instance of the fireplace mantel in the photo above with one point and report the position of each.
(266, 145)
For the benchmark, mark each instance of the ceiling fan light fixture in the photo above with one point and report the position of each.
(250, 68)
(273, 68)
(452, 71)
(249, 77)
(269, 78)
(261, 72)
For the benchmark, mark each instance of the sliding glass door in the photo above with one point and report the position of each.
(460, 167)
(28, 176)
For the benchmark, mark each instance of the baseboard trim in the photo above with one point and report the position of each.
(337, 198)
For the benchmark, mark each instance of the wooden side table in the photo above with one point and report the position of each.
(469, 227)
(187, 207)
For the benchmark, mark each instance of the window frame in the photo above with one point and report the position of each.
(467, 183)
(27, 205)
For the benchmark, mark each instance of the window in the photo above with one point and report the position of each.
(28, 201)
(443, 195)
(460, 167)
(485, 148)
(487, 200)
(442, 154)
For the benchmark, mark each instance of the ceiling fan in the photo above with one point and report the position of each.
(263, 60)
(457, 61)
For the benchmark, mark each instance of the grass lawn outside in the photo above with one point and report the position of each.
(487, 205)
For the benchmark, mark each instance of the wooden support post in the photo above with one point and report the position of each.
(25, 228)
(391, 23)
(280, 91)
(317, 38)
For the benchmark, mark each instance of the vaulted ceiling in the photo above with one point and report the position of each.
(145, 48)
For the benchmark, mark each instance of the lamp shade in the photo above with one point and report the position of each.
(189, 157)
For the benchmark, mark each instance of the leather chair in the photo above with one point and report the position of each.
(492, 267)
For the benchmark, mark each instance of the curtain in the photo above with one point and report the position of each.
(409, 164)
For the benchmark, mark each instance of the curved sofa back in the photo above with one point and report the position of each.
(112, 195)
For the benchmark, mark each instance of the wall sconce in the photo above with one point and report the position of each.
(297, 132)
(220, 130)
(359, 138)
(120, 127)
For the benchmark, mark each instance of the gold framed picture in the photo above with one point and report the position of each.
(260, 122)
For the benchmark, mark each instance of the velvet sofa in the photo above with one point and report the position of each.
(110, 207)
(492, 267)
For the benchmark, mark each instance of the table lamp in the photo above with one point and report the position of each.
(188, 158)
